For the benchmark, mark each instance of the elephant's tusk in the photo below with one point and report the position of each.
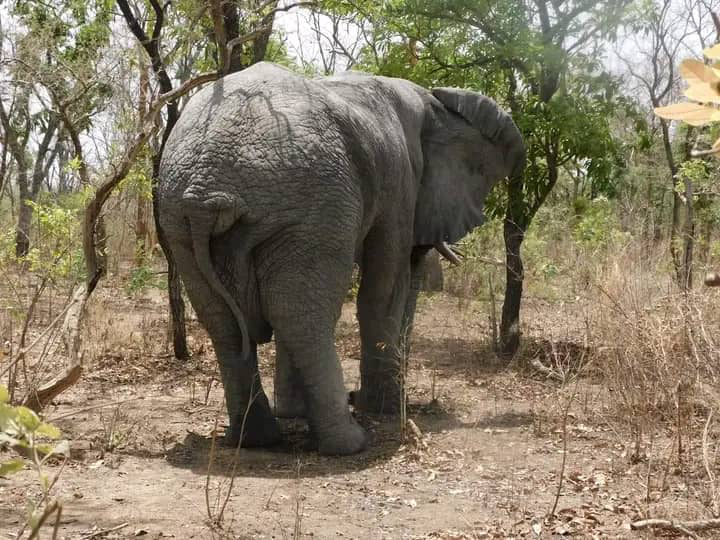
(446, 251)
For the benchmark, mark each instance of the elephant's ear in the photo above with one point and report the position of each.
(469, 144)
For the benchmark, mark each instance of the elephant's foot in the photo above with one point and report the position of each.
(260, 429)
(377, 399)
(342, 440)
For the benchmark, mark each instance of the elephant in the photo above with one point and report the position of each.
(273, 185)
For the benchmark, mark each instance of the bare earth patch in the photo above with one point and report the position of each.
(487, 463)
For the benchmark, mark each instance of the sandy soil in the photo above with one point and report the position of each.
(486, 465)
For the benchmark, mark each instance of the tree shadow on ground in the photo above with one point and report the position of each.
(436, 418)
(472, 358)
(454, 356)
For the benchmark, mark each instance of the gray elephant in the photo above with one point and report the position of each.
(272, 185)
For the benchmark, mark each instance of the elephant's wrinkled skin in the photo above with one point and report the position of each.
(272, 184)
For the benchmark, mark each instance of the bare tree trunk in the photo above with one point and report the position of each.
(4, 173)
(22, 229)
(141, 215)
(17, 149)
(152, 48)
(514, 234)
(175, 299)
(141, 230)
(688, 237)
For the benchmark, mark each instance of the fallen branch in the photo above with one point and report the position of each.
(684, 527)
(103, 532)
(548, 372)
(38, 399)
(41, 397)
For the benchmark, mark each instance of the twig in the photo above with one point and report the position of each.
(493, 313)
(701, 153)
(86, 409)
(564, 458)
(104, 531)
(49, 511)
(236, 455)
(211, 460)
(44, 333)
(548, 372)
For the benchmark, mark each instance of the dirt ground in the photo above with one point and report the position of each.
(486, 464)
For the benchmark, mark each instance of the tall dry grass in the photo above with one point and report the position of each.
(656, 346)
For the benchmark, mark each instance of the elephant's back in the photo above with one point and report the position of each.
(261, 121)
(268, 138)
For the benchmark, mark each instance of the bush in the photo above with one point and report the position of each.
(597, 226)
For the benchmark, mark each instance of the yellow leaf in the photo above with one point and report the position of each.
(715, 69)
(713, 52)
(702, 92)
(692, 113)
(694, 71)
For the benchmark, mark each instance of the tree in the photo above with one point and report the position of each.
(55, 57)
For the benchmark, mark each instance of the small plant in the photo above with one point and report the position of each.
(142, 277)
(57, 252)
(38, 441)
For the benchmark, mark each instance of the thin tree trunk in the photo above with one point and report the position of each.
(17, 149)
(141, 215)
(676, 225)
(152, 48)
(177, 305)
(22, 229)
(4, 174)
(688, 237)
(514, 234)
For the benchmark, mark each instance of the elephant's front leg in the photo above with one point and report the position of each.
(382, 300)
(418, 265)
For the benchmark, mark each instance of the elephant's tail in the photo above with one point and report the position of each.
(202, 229)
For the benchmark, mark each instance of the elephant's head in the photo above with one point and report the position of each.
(469, 144)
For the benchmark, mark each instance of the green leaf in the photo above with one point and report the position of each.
(12, 466)
(4, 394)
(48, 430)
(27, 418)
(7, 415)
(44, 449)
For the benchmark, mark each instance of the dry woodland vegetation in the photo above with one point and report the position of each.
(603, 423)
(604, 418)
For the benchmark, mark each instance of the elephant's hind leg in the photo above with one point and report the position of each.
(302, 297)
(288, 395)
(247, 405)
